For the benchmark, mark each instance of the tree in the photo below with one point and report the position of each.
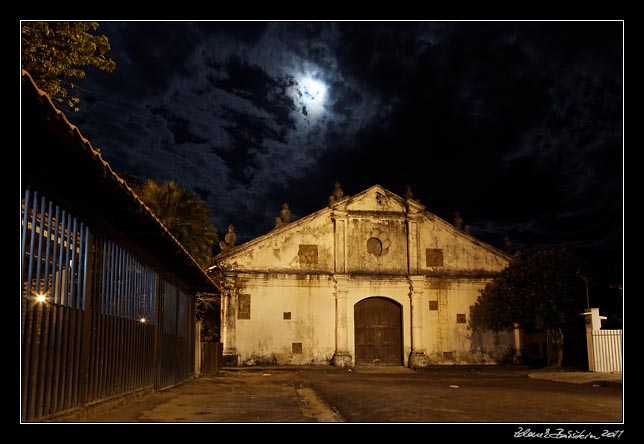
(207, 310)
(56, 52)
(208, 304)
(188, 218)
(185, 215)
(543, 291)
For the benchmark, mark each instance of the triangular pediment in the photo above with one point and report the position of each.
(375, 199)
(374, 231)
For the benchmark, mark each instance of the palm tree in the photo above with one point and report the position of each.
(184, 214)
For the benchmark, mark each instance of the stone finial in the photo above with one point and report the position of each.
(285, 214)
(507, 244)
(408, 194)
(337, 191)
(458, 221)
(278, 222)
(332, 201)
(230, 239)
(466, 229)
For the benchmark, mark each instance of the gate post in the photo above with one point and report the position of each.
(589, 341)
(518, 343)
(593, 322)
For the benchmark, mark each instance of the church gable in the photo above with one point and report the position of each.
(302, 245)
(373, 232)
(444, 248)
(375, 198)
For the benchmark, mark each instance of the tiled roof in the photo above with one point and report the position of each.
(82, 148)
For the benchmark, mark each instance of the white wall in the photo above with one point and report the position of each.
(271, 270)
(267, 338)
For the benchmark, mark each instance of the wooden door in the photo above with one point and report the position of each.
(378, 332)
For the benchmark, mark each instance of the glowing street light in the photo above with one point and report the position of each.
(41, 298)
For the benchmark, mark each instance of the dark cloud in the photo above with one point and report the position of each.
(156, 53)
(517, 125)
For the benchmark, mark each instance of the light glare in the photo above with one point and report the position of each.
(312, 89)
(309, 95)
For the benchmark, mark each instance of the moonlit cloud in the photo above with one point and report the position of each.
(238, 121)
(516, 125)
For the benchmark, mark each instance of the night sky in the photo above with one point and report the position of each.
(516, 125)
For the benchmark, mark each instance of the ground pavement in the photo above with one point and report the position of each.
(377, 395)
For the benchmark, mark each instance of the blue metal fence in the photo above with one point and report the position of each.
(97, 320)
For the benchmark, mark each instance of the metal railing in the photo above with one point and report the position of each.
(607, 351)
(211, 357)
(176, 346)
(97, 321)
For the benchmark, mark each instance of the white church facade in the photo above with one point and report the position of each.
(372, 279)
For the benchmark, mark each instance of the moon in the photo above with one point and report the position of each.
(310, 93)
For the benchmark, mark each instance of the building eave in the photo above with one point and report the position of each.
(63, 171)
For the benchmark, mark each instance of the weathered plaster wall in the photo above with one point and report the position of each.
(267, 338)
(460, 251)
(391, 256)
(493, 347)
(375, 200)
(302, 267)
(445, 339)
(280, 249)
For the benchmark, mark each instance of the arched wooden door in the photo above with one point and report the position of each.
(378, 332)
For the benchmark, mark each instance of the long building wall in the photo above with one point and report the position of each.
(290, 319)
(295, 310)
(373, 247)
(97, 320)
(107, 292)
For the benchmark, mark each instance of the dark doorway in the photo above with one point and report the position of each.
(378, 330)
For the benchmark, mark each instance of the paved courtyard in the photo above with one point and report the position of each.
(377, 395)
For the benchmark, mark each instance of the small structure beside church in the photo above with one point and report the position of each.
(371, 279)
